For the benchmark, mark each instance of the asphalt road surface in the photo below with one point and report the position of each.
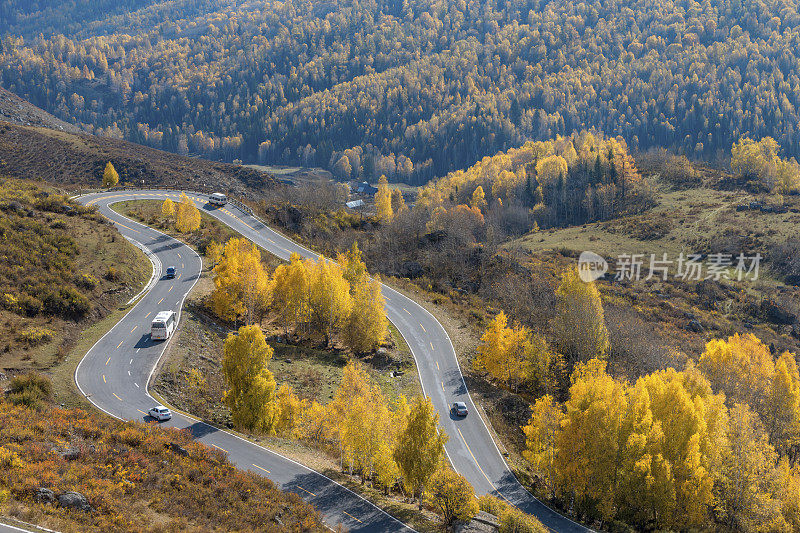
(115, 373)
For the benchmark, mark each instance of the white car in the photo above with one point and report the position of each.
(218, 199)
(160, 413)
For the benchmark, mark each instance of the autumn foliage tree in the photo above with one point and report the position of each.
(513, 355)
(242, 287)
(383, 201)
(420, 446)
(366, 326)
(398, 202)
(168, 208)
(290, 291)
(579, 323)
(251, 386)
(187, 218)
(329, 300)
(110, 176)
(364, 426)
(452, 494)
(334, 298)
(661, 452)
(744, 369)
(759, 160)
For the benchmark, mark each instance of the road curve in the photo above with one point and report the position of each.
(115, 373)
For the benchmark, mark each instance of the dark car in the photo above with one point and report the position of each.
(170, 272)
(459, 409)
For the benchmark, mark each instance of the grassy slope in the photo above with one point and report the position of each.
(133, 477)
(78, 159)
(686, 221)
(701, 219)
(99, 247)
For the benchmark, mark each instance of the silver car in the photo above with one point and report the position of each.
(160, 413)
(459, 409)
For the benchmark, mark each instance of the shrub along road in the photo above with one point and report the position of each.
(114, 376)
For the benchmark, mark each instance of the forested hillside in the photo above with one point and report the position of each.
(411, 90)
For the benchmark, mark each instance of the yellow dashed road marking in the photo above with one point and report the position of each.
(353, 517)
(308, 491)
(104, 378)
(134, 328)
(423, 328)
(148, 314)
(120, 344)
(479, 466)
(107, 360)
(161, 300)
(124, 226)
(261, 468)
(437, 365)
(217, 447)
(117, 397)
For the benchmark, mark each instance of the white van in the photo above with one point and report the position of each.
(218, 199)
(163, 325)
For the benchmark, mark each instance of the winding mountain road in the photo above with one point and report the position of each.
(115, 373)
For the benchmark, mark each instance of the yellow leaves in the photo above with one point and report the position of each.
(168, 208)
(514, 355)
(110, 176)
(187, 217)
(550, 169)
(420, 445)
(398, 202)
(782, 416)
(743, 368)
(478, 199)
(313, 423)
(290, 290)
(329, 300)
(242, 288)
(760, 160)
(645, 452)
(580, 322)
(540, 438)
(383, 201)
(251, 392)
(367, 323)
(452, 495)
(288, 411)
(332, 298)
(9, 459)
(362, 424)
(353, 265)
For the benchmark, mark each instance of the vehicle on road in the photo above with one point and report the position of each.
(459, 409)
(160, 413)
(163, 325)
(170, 272)
(218, 199)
